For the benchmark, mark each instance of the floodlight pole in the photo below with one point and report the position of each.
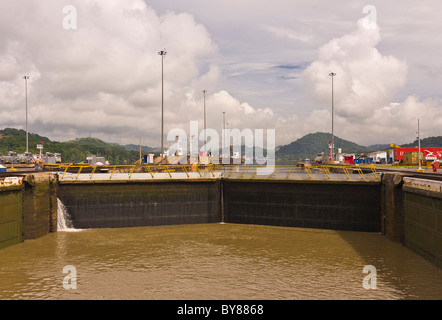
(205, 133)
(224, 125)
(26, 77)
(332, 74)
(162, 53)
(419, 144)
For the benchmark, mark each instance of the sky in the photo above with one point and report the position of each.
(94, 68)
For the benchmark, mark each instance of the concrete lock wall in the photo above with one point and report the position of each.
(339, 206)
(392, 207)
(11, 216)
(28, 208)
(39, 205)
(423, 221)
(107, 205)
(325, 205)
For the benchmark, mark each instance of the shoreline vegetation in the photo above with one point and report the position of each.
(77, 150)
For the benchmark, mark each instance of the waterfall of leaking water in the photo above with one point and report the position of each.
(64, 222)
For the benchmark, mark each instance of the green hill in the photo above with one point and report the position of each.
(430, 142)
(136, 147)
(312, 144)
(71, 151)
(78, 149)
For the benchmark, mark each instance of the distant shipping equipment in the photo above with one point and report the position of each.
(428, 153)
(412, 158)
(148, 158)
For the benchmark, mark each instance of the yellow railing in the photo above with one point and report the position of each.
(245, 170)
(77, 169)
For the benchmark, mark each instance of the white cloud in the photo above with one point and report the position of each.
(104, 78)
(365, 79)
(364, 85)
(107, 73)
(289, 34)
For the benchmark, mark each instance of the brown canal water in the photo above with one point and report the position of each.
(215, 261)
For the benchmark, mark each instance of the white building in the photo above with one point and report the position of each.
(377, 156)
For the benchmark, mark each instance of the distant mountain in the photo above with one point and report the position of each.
(95, 142)
(312, 144)
(431, 142)
(378, 147)
(76, 150)
(136, 147)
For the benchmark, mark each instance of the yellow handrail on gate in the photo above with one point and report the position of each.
(290, 172)
(373, 169)
(167, 170)
(115, 168)
(211, 170)
(327, 172)
(65, 170)
(184, 169)
(360, 173)
(256, 171)
(131, 172)
(234, 167)
(150, 171)
(307, 169)
(79, 170)
(245, 171)
(93, 171)
(274, 171)
(346, 172)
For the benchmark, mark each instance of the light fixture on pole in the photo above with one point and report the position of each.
(224, 133)
(419, 144)
(224, 124)
(162, 53)
(332, 74)
(205, 133)
(26, 77)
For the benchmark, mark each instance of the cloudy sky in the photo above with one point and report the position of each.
(95, 70)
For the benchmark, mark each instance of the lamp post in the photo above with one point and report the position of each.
(224, 124)
(26, 77)
(419, 144)
(224, 133)
(332, 74)
(205, 133)
(162, 53)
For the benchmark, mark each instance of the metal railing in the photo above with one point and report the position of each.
(243, 171)
(310, 172)
(129, 172)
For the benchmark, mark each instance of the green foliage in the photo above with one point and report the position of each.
(79, 149)
(312, 144)
(431, 142)
(136, 147)
(71, 151)
(15, 140)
